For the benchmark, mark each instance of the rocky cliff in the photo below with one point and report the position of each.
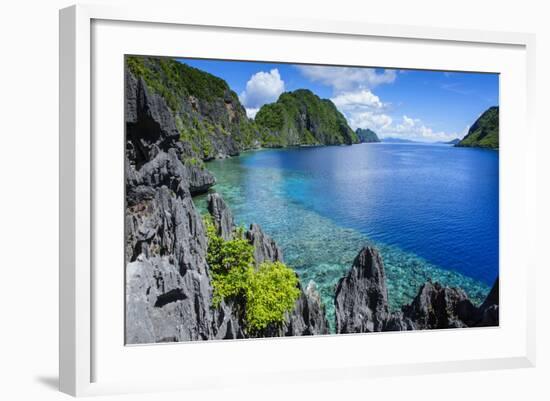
(361, 302)
(302, 118)
(484, 132)
(168, 283)
(367, 135)
(308, 316)
(207, 115)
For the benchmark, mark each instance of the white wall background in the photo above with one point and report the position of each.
(29, 196)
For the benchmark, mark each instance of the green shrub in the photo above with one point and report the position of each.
(231, 263)
(273, 291)
(266, 293)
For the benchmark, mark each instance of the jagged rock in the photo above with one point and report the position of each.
(308, 317)
(361, 298)
(438, 307)
(163, 305)
(362, 306)
(199, 179)
(222, 216)
(397, 321)
(150, 125)
(492, 297)
(208, 113)
(265, 248)
(227, 323)
(167, 225)
(168, 285)
(488, 311)
(166, 169)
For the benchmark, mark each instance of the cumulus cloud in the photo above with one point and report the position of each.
(415, 129)
(368, 119)
(359, 99)
(343, 79)
(353, 96)
(261, 88)
(363, 109)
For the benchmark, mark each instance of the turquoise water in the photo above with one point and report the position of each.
(432, 211)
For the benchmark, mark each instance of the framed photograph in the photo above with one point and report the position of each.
(306, 199)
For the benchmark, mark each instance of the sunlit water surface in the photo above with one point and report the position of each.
(431, 210)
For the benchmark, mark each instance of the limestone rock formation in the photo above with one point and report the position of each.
(221, 215)
(205, 113)
(309, 317)
(361, 298)
(265, 248)
(438, 307)
(361, 303)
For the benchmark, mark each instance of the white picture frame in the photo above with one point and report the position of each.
(90, 360)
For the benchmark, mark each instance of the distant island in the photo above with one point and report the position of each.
(398, 140)
(451, 142)
(303, 118)
(484, 132)
(366, 135)
(197, 274)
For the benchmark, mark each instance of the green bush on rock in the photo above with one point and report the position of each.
(273, 291)
(266, 293)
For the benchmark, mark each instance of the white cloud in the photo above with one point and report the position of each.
(343, 79)
(261, 88)
(353, 96)
(415, 129)
(252, 111)
(360, 99)
(368, 119)
(362, 109)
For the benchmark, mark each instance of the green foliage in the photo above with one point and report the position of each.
(302, 118)
(207, 112)
(231, 264)
(484, 132)
(194, 162)
(273, 291)
(173, 80)
(367, 135)
(266, 293)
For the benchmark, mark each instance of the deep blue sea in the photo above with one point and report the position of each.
(432, 210)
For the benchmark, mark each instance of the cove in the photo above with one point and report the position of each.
(431, 210)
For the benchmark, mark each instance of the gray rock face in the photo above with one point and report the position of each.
(361, 298)
(168, 288)
(265, 248)
(308, 317)
(488, 311)
(362, 304)
(222, 216)
(397, 321)
(200, 179)
(150, 125)
(166, 169)
(168, 284)
(213, 110)
(167, 226)
(162, 305)
(438, 307)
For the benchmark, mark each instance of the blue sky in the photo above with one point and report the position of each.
(412, 104)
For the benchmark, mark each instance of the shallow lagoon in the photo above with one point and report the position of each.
(432, 211)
